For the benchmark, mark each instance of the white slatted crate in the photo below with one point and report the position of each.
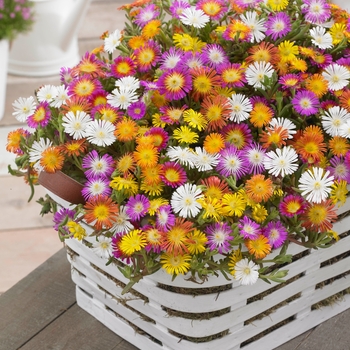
(182, 315)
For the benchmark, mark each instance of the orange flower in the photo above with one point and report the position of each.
(52, 159)
(100, 212)
(259, 247)
(258, 188)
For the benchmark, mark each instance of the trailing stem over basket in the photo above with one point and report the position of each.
(208, 136)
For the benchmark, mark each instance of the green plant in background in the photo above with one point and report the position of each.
(16, 16)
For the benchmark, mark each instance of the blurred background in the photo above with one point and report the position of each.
(26, 238)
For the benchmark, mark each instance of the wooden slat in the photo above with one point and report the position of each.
(35, 301)
(76, 329)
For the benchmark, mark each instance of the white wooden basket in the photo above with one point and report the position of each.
(182, 315)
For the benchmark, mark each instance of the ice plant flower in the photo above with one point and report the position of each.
(208, 136)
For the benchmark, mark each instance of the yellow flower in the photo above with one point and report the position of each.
(185, 135)
(339, 192)
(175, 265)
(183, 41)
(277, 5)
(196, 242)
(287, 51)
(194, 119)
(233, 204)
(337, 32)
(259, 213)
(134, 241)
(234, 257)
(77, 230)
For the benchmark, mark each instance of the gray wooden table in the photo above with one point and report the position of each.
(40, 313)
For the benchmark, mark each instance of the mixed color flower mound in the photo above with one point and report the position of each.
(209, 136)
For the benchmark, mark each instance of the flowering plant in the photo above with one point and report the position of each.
(208, 136)
(16, 17)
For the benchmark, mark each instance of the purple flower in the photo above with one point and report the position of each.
(232, 163)
(219, 236)
(98, 166)
(137, 110)
(62, 215)
(177, 8)
(137, 207)
(316, 11)
(254, 155)
(276, 233)
(165, 219)
(214, 55)
(41, 116)
(248, 228)
(339, 169)
(95, 186)
(180, 89)
(171, 58)
(146, 14)
(278, 25)
(305, 102)
(192, 60)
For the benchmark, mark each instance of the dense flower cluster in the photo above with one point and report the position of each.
(16, 16)
(209, 135)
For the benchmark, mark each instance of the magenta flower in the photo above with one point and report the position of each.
(165, 219)
(175, 84)
(173, 174)
(41, 116)
(192, 60)
(146, 14)
(62, 215)
(305, 102)
(95, 186)
(177, 8)
(316, 11)
(137, 207)
(161, 137)
(214, 55)
(248, 228)
(339, 169)
(171, 59)
(276, 233)
(137, 110)
(219, 236)
(232, 163)
(292, 205)
(278, 25)
(96, 165)
(254, 155)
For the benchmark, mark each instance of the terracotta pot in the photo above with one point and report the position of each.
(63, 186)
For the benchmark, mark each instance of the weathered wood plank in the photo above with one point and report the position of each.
(35, 301)
(76, 329)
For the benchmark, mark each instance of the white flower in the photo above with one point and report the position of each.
(112, 41)
(122, 98)
(184, 200)
(46, 93)
(100, 132)
(194, 17)
(286, 124)
(316, 184)
(61, 97)
(246, 272)
(75, 124)
(337, 76)
(344, 130)
(128, 83)
(203, 160)
(257, 72)
(333, 120)
(250, 18)
(182, 155)
(37, 149)
(23, 108)
(320, 38)
(240, 106)
(122, 223)
(103, 247)
(281, 161)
